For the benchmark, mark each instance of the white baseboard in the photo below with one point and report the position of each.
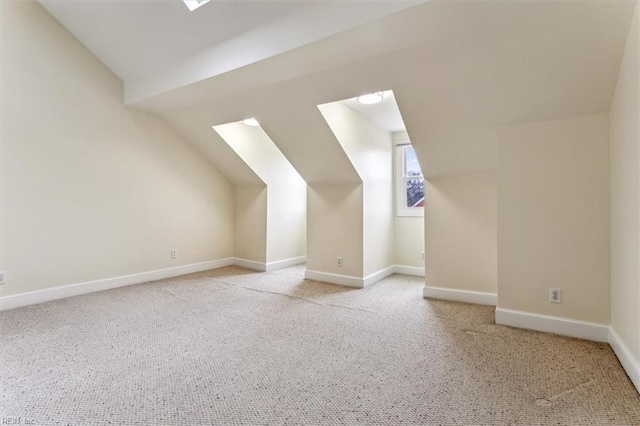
(250, 264)
(409, 270)
(41, 296)
(630, 363)
(455, 295)
(550, 324)
(377, 276)
(326, 277)
(349, 281)
(272, 266)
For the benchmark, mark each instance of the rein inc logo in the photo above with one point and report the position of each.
(16, 421)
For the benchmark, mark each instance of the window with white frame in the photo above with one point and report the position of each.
(410, 182)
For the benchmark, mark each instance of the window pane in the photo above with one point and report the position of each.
(415, 192)
(411, 165)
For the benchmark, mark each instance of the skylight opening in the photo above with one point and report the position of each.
(194, 4)
(371, 98)
(251, 122)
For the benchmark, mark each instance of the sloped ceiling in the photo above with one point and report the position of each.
(458, 71)
(155, 46)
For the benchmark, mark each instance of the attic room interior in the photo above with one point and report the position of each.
(309, 212)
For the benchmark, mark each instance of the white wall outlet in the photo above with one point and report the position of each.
(555, 295)
(339, 262)
(3, 277)
(422, 256)
(174, 253)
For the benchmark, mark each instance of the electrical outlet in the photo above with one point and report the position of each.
(555, 295)
(339, 262)
(174, 253)
(3, 277)
(422, 256)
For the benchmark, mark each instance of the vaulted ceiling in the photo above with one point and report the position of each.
(155, 46)
(458, 70)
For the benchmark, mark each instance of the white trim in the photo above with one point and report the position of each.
(350, 281)
(409, 270)
(630, 363)
(46, 295)
(377, 276)
(250, 264)
(272, 266)
(550, 324)
(279, 264)
(467, 296)
(326, 277)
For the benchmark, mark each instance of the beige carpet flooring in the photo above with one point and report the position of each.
(232, 346)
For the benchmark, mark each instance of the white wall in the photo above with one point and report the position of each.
(460, 232)
(250, 224)
(369, 148)
(408, 230)
(286, 198)
(553, 217)
(286, 222)
(335, 229)
(91, 189)
(378, 227)
(624, 139)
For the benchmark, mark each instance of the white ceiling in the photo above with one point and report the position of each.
(458, 71)
(139, 39)
(134, 38)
